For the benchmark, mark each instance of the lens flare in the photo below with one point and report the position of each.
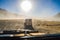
(26, 5)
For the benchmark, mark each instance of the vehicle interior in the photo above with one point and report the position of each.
(29, 19)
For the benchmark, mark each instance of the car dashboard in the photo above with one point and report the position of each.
(21, 35)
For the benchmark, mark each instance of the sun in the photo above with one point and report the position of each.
(26, 5)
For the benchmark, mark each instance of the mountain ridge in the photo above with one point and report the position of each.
(4, 14)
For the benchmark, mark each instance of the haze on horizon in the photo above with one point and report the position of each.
(40, 8)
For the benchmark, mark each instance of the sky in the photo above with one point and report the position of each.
(40, 8)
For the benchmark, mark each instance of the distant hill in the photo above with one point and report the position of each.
(52, 18)
(4, 14)
(57, 15)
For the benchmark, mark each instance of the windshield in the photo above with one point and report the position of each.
(40, 15)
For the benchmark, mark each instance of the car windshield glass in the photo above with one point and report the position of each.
(36, 15)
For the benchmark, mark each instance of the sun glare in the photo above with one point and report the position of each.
(26, 5)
